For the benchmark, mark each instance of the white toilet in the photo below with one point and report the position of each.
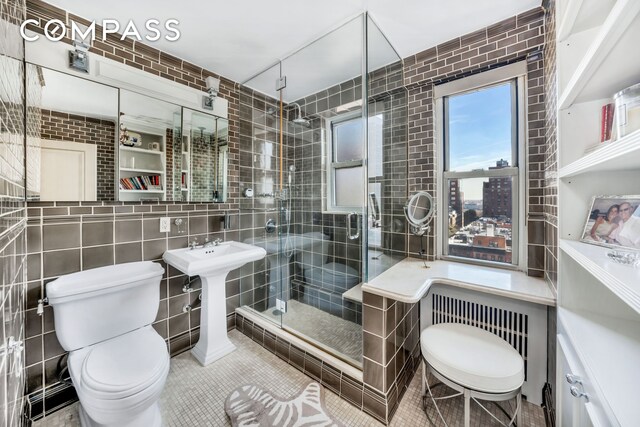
(117, 361)
(333, 276)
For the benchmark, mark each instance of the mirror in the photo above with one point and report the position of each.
(147, 131)
(76, 120)
(204, 157)
(419, 211)
(117, 144)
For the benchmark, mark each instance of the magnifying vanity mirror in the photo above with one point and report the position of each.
(419, 211)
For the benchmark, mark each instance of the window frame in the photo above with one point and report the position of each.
(332, 165)
(515, 73)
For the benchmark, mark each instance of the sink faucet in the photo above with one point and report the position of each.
(194, 244)
(217, 241)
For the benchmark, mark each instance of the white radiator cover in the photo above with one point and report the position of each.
(521, 324)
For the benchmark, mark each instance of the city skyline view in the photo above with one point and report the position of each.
(479, 133)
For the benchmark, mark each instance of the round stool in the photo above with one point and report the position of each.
(475, 363)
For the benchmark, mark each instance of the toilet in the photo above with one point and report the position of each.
(333, 276)
(118, 363)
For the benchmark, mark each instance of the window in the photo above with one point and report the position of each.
(481, 142)
(345, 173)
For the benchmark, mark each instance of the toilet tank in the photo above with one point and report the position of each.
(94, 305)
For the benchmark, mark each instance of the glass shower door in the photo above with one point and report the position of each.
(322, 203)
(327, 127)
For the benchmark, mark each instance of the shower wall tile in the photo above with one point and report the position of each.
(72, 243)
(13, 233)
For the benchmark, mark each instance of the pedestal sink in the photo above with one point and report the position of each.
(212, 264)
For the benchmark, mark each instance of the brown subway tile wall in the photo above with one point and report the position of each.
(101, 236)
(515, 39)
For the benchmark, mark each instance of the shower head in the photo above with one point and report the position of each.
(292, 168)
(299, 120)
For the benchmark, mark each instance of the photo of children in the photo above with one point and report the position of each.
(614, 221)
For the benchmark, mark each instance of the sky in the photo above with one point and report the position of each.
(479, 133)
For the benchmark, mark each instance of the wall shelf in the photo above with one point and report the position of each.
(598, 299)
(622, 154)
(136, 161)
(622, 280)
(140, 150)
(142, 191)
(599, 74)
(151, 171)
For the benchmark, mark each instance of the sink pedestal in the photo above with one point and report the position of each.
(213, 264)
(213, 343)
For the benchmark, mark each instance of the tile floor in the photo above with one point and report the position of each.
(341, 335)
(194, 396)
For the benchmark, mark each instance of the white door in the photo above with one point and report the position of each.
(68, 171)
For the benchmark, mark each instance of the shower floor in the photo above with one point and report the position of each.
(339, 335)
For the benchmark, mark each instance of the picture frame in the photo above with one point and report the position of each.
(614, 222)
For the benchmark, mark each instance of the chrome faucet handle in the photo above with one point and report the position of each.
(217, 241)
(194, 243)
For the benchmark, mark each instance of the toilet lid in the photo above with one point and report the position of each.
(125, 365)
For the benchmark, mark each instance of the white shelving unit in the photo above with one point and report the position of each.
(598, 300)
(185, 173)
(141, 161)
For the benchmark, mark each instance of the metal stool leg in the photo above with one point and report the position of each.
(519, 409)
(467, 408)
(424, 378)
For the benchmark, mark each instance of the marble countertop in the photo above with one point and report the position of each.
(409, 281)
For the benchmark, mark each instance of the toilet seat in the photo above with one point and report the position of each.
(120, 375)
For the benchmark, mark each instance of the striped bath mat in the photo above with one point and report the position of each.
(252, 405)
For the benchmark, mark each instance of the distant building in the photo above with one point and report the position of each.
(455, 200)
(488, 248)
(496, 194)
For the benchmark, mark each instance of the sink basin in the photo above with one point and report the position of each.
(225, 257)
(213, 264)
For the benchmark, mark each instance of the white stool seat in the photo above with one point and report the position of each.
(472, 357)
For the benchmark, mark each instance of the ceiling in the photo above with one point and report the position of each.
(239, 39)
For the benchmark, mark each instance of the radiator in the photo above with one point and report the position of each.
(523, 325)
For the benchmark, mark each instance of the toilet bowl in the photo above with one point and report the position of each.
(333, 276)
(117, 362)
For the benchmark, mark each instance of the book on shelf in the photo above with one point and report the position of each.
(606, 122)
(142, 182)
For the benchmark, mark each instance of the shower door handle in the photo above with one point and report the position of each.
(350, 234)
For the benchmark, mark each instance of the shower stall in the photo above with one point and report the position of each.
(323, 178)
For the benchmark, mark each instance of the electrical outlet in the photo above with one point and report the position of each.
(165, 225)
